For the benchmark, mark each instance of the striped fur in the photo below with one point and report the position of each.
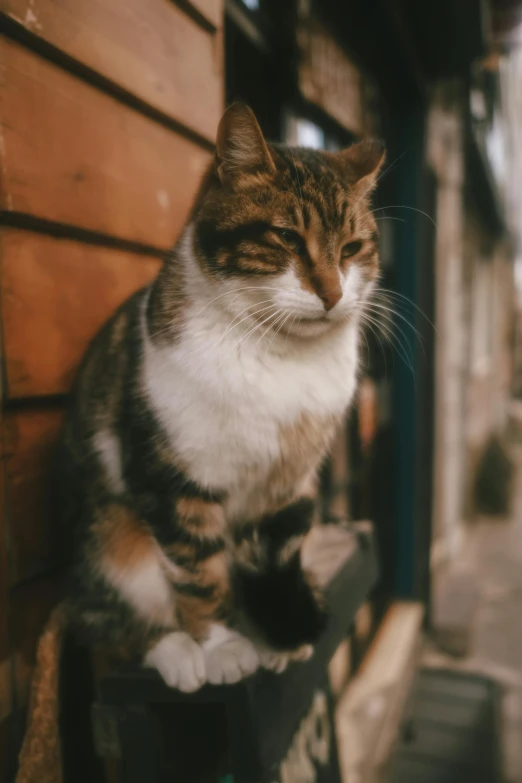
(204, 407)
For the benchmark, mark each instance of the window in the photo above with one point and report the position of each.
(302, 132)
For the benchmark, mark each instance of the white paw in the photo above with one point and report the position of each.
(179, 660)
(278, 661)
(228, 656)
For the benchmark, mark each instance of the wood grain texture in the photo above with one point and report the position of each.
(74, 155)
(154, 50)
(29, 442)
(55, 295)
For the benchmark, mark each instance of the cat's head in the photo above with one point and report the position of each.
(287, 234)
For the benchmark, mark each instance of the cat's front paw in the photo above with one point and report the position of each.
(282, 605)
(229, 656)
(179, 660)
(278, 661)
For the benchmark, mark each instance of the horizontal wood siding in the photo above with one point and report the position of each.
(74, 155)
(107, 119)
(139, 46)
(210, 9)
(34, 538)
(55, 295)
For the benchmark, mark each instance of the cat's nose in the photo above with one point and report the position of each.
(330, 297)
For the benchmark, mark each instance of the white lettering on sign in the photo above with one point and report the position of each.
(311, 744)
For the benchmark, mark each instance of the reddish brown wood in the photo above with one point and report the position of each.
(55, 295)
(212, 10)
(29, 441)
(75, 155)
(154, 50)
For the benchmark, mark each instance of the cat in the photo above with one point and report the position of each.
(204, 408)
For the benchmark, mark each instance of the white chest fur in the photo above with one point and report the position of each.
(224, 407)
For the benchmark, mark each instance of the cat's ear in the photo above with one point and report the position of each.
(363, 162)
(240, 144)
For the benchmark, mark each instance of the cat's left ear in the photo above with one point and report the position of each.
(240, 145)
(363, 162)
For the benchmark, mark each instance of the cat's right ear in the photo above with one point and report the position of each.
(240, 145)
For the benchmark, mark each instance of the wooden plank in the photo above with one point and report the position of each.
(77, 156)
(29, 442)
(55, 295)
(212, 10)
(153, 50)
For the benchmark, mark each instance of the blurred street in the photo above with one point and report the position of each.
(492, 561)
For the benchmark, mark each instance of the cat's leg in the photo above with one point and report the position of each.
(179, 660)
(123, 601)
(198, 563)
(229, 656)
(275, 594)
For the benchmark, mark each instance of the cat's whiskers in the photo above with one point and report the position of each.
(398, 333)
(362, 334)
(377, 336)
(387, 303)
(277, 312)
(349, 318)
(272, 326)
(388, 312)
(377, 328)
(250, 332)
(202, 349)
(389, 326)
(392, 338)
(277, 329)
(235, 322)
(404, 300)
(253, 314)
(289, 329)
(235, 291)
(404, 206)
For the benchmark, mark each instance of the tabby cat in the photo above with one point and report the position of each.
(203, 410)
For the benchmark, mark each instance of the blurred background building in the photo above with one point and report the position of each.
(108, 116)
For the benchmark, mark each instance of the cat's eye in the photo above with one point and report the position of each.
(351, 249)
(291, 239)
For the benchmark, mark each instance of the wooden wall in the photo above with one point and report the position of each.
(107, 119)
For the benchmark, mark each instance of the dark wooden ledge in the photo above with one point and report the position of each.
(263, 714)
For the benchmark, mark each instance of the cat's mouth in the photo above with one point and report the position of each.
(309, 326)
(319, 319)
